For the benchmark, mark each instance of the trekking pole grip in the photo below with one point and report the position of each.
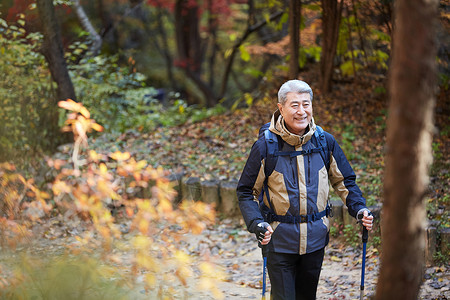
(264, 250)
(365, 234)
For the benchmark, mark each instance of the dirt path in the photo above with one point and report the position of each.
(234, 254)
(234, 251)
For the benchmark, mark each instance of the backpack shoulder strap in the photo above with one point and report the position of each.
(319, 134)
(271, 140)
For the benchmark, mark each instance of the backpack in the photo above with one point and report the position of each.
(272, 146)
(273, 151)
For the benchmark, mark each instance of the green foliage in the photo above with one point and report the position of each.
(247, 99)
(380, 36)
(351, 235)
(336, 229)
(245, 56)
(342, 46)
(375, 240)
(356, 59)
(119, 99)
(349, 68)
(310, 53)
(348, 137)
(283, 20)
(253, 72)
(437, 153)
(380, 90)
(379, 59)
(26, 90)
(381, 120)
(65, 277)
(441, 258)
(313, 6)
(444, 81)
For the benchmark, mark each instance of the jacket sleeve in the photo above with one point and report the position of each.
(250, 185)
(343, 179)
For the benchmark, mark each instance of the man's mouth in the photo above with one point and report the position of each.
(301, 118)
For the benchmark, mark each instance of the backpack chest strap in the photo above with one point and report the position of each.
(297, 153)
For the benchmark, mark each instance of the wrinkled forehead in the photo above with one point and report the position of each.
(295, 97)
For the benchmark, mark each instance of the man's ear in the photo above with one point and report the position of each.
(280, 108)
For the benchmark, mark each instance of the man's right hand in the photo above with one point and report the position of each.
(263, 233)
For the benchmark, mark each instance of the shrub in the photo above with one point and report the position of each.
(87, 188)
(25, 90)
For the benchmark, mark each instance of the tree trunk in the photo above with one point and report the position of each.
(331, 17)
(350, 40)
(358, 28)
(294, 34)
(165, 50)
(53, 50)
(408, 157)
(189, 43)
(212, 37)
(87, 25)
(190, 47)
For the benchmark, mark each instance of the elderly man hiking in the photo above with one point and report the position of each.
(283, 193)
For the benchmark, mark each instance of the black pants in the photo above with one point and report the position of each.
(294, 276)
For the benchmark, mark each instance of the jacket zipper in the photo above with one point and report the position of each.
(293, 169)
(309, 169)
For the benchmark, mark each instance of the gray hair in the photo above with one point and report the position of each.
(294, 86)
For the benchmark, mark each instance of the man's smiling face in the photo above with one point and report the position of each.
(297, 112)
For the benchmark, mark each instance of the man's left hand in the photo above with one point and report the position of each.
(367, 221)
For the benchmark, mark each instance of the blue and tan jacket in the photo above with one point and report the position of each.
(297, 186)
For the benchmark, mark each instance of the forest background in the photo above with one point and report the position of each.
(165, 88)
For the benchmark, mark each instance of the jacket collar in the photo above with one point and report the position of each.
(278, 127)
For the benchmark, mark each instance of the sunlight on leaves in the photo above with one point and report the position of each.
(114, 202)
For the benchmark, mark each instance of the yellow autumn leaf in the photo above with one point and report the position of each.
(44, 195)
(336, 259)
(165, 206)
(85, 112)
(141, 242)
(141, 164)
(150, 279)
(69, 104)
(103, 169)
(119, 156)
(197, 227)
(94, 156)
(97, 127)
(143, 226)
(182, 257)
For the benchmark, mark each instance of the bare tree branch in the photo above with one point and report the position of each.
(87, 25)
(239, 42)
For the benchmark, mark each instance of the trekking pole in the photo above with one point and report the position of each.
(365, 237)
(260, 234)
(264, 254)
